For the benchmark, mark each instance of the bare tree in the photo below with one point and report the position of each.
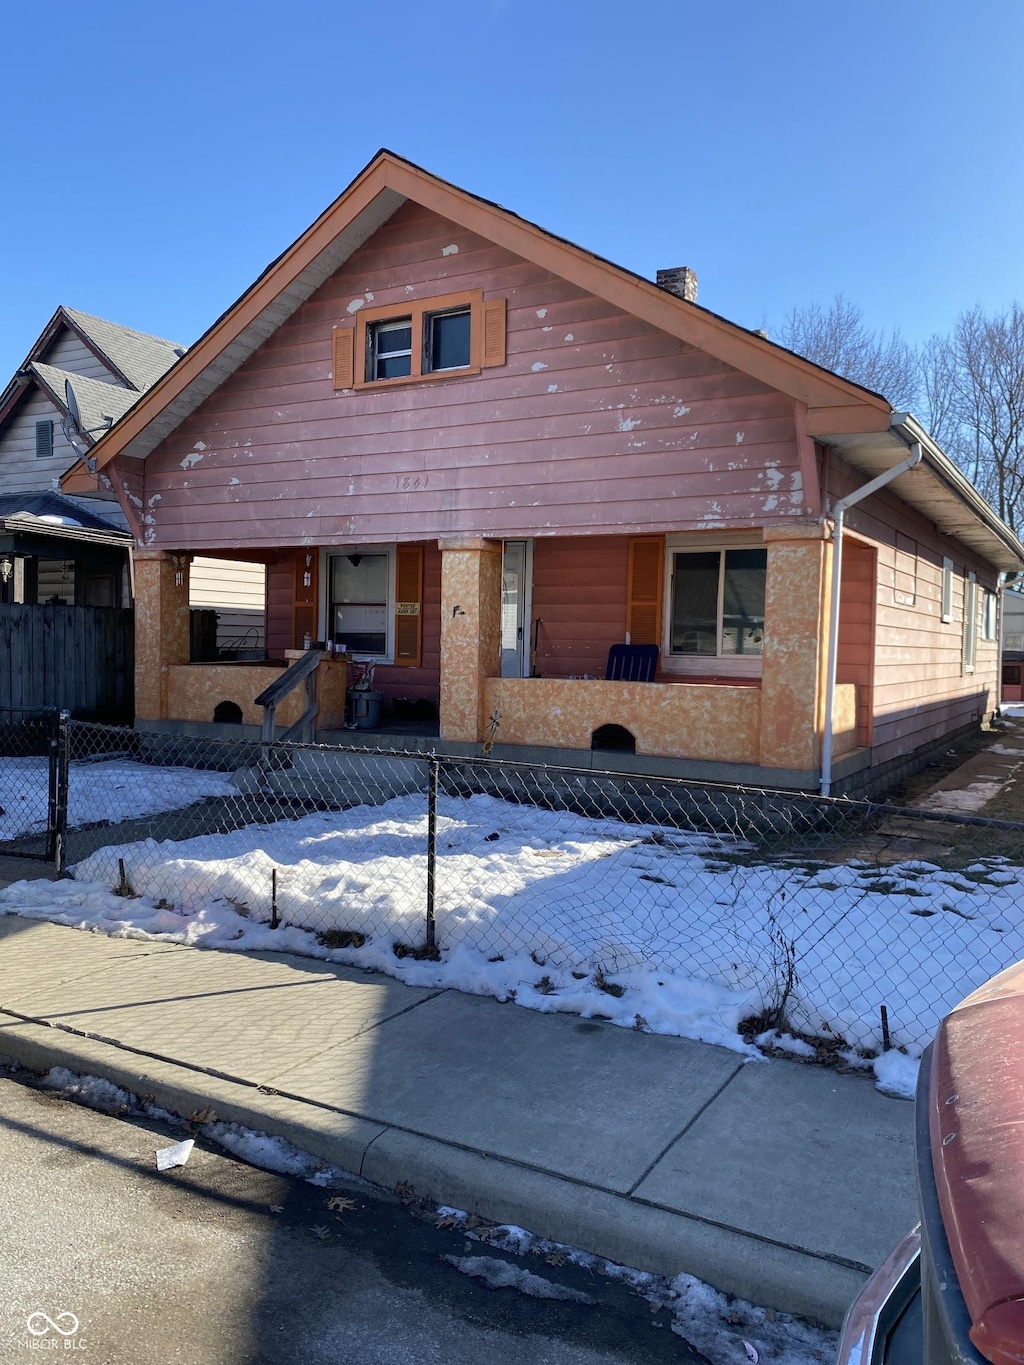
(973, 385)
(838, 338)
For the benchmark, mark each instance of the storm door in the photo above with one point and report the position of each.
(516, 563)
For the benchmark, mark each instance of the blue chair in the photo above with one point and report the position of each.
(632, 663)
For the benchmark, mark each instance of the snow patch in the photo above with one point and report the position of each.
(116, 790)
(963, 800)
(896, 1074)
(504, 1275)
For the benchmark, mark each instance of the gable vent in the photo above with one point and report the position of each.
(44, 439)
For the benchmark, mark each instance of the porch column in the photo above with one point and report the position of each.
(470, 632)
(795, 644)
(161, 629)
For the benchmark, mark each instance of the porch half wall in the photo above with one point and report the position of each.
(718, 723)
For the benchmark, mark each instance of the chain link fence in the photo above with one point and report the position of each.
(857, 922)
(28, 781)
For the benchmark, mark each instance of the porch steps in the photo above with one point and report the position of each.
(333, 777)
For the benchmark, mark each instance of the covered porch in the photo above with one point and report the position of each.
(517, 659)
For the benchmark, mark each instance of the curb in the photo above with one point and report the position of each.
(616, 1227)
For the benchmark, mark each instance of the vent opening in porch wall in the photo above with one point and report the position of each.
(615, 738)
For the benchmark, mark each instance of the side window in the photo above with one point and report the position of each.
(970, 638)
(988, 616)
(947, 590)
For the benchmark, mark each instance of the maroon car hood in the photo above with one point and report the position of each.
(977, 1143)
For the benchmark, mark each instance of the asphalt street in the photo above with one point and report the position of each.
(107, 1260)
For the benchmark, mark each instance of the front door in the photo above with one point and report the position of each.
(515, 605)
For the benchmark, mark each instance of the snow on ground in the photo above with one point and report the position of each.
(114, 790)
(549, 908)
(727, 1330)
(964, 800)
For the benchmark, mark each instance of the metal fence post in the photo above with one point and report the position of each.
(60, 768)
(433, 766)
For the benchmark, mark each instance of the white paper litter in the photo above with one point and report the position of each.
(177, 1155)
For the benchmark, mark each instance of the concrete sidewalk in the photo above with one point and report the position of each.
(782, 1183)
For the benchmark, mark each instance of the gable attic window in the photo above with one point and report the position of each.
(44, 439)
(407, 343)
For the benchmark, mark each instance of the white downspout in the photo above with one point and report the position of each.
(838, 515)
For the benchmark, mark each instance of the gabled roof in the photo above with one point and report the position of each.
(375, 194)
(99, 404)
(135, 359)
(856, 421)
(140, 359)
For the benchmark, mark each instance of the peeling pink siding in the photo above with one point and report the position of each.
(598, 423)
(920, 690)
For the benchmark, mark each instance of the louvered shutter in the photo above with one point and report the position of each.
(494, 333)
(44, 439)
(344, 345)
(408, 606)
(643, 591)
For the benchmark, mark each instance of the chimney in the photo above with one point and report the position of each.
(681, 280)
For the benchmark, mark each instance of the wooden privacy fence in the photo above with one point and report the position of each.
(80, 659)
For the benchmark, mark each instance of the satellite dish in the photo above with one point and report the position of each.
(71, 426)
(74, 411)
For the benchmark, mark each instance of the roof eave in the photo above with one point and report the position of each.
(947, 487)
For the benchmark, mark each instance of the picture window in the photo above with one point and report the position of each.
(717, 603)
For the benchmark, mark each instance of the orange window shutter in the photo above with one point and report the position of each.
(344, 344)
(409, 606)
(494, 333)
(644, 588)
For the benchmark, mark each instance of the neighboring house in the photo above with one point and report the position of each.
(106, 367)
(1013, 645)
(480, 456)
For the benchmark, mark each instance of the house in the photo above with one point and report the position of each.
(74, 551)
(480, 456)
(1012, 640)
(101, 368)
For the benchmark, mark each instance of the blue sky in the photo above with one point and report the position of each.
(159, 157)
